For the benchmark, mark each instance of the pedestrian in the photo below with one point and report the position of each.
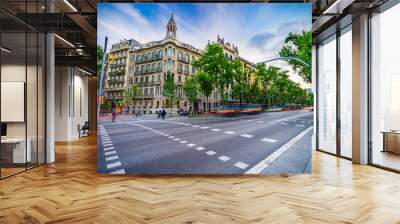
(163, 113)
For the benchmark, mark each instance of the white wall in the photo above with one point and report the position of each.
(71, 102)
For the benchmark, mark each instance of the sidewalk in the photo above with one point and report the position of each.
(297, 159)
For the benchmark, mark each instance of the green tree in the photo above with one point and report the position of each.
(169, 92)
(299, 46)
(191, 88)
(214, 62)
(100, 53)
(130, 94)
(206, 82)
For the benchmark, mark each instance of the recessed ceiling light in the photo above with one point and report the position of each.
(5, 50)
(70, 5)
(64, 40)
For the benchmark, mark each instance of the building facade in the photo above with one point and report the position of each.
(116, 75)
(149, 65)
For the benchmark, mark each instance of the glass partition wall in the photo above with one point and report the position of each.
(385, 89)
(22, 77)
(334, 105)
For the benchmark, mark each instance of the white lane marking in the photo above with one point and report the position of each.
(204, 127)
(110, 153)
(195, 126)
(284, 124)
(249, 120)
(108, 148)
(183, 142)
(241, 165)
(171, 137)
(112, 165)
(211, 153)
(271, 158)
(177, 139)
(107, 142)
(216, 129)
(200, 148)
(299, 125)
(111, 158)
(247, 135)
(229, 132)
(224, 158)
(120, 171)
(269, 140)
(106, 145)
(181, 123)
(186, 124)
(288, 118)
(260, 121)
(191, 145)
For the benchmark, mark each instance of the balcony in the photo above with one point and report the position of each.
(184, 61)
(158, 58)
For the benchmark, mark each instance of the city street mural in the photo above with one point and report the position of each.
(204, 88)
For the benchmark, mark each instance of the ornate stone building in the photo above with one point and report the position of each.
(148, 65)
(116, 76)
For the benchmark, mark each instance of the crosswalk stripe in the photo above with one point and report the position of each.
(200, 148)
(229, 132)
(211, 152)
(241, 165)
(120, 171)
(108, 148)
(110, 153)
(204, 127)
(216, 129)
(269, 140)
(191, 145)
(183, 142)
(224, 158)
(111, 158)
(112, 165)
(247, 136)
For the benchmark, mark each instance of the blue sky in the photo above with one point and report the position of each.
(258, 29)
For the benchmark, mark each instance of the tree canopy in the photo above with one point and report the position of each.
(299, 46)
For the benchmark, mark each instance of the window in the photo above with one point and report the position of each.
(179, 78)
(346, 92)
(180, 69)
(186, 69)
(327, 95)
(385, 88)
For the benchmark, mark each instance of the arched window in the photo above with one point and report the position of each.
(180, 68)
(153, 67)
(160, 54)
(187, 58)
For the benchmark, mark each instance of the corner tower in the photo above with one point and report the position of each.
(171, 28)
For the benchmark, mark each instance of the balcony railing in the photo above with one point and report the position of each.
(148, 60)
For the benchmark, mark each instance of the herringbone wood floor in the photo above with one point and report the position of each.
(70, 191)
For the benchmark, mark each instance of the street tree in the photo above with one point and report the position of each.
(214, 62)
(298, 45)
(206, 82)
(169, 89)
(130, 94)
(191, 89)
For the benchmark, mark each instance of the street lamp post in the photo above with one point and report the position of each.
(286, 59)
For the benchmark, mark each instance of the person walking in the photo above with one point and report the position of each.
(163, 113)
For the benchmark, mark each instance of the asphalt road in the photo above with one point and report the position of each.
(275, 142)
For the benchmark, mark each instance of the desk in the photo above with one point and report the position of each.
(18, 149)
(391, 141)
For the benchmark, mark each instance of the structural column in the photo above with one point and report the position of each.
(360, 89)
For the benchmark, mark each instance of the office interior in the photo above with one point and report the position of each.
(48, 79)
(48, 82)
(357, 81)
